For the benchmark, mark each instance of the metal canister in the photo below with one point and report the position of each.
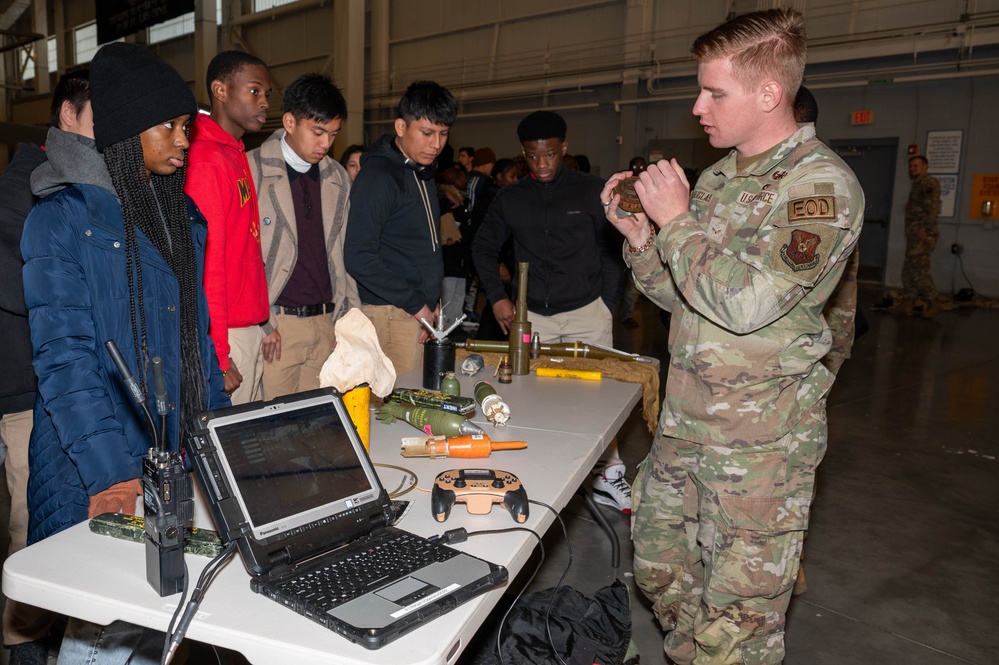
(438, 359)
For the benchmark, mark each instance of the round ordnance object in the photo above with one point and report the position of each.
(629, 197)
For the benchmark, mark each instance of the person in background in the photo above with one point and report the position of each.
(465, 156)
(115, 251)
(747, 262)
(26, 628)
(842, 315)
(846, 322)
(557, 225)
(451, 187)
(505, 172)
(239, 86)
(806, 107)
(479, 175)
(304, 204)
(919, 293)
(350, 160)
(479, 179)
(393, 246)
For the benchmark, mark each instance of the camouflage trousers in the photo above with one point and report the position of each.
(718, 534)
(917, 282)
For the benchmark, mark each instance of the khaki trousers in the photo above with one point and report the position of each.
(306, 343)
(398, 335)
(246, 350)
(591, 323)
(21, 623)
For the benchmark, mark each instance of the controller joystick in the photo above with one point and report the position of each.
(478, 489)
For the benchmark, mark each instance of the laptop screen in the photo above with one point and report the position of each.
(292, 464)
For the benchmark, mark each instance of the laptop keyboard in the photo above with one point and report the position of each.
(351, 576)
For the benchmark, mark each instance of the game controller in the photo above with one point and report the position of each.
(478, 489)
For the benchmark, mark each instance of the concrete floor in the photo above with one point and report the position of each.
(902, 557)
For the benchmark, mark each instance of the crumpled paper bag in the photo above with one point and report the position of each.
(357, 358)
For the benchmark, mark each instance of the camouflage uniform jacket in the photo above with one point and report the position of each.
(923, 206)
(747, 273)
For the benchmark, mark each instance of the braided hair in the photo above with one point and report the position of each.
(158, 208)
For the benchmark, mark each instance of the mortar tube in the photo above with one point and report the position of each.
(520, 329)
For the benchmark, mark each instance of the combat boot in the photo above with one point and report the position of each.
(930, 309)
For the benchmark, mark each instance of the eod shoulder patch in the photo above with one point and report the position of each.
(811, 208)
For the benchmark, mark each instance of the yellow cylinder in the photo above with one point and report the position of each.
(586, 374)
(358, 402)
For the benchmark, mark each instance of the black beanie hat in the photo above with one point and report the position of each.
(132, 90)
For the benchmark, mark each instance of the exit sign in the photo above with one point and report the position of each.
(862, 118)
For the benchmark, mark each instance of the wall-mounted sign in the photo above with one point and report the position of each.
(985, 188)
(948, 193)
(118, 18)
(943, 152)
(862, 118)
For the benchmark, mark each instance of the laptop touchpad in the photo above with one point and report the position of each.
(406, 591)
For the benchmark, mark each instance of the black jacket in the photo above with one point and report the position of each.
(18, 384)
(559, 228)
(392, 247)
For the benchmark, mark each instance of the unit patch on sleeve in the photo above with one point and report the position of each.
(801, 251)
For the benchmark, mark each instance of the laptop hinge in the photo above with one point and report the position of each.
(384, 518)
(281, 557)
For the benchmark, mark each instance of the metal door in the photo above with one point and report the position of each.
(873, 160)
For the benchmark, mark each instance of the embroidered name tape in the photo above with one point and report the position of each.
(767, 197)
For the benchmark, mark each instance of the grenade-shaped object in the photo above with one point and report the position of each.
(450, 385)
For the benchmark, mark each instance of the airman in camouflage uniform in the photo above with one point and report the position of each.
(747, 267)
(921, 234)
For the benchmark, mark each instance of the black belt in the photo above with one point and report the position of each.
(305, 310)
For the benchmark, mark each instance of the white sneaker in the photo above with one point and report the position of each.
(611, 489)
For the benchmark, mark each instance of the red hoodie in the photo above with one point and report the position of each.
(218, 179)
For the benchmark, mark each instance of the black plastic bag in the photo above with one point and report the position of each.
(585, 631)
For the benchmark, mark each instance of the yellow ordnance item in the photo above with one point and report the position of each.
(570, 373)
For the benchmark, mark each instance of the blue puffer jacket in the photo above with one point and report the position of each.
(88, 434)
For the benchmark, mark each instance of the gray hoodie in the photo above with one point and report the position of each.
(72, 160)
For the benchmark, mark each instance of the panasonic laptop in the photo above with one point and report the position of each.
(291, 481)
